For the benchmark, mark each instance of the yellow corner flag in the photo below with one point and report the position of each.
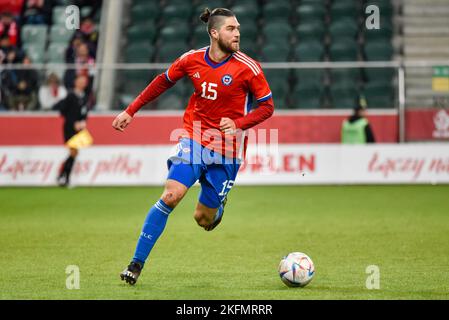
(80, 140)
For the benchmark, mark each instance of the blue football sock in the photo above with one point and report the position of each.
(152, 228)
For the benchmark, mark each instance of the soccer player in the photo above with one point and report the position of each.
(74, 111)
(212, 144)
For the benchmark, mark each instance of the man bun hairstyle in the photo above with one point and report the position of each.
(214, 18)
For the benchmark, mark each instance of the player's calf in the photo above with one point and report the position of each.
(203, 219)
(209, 218)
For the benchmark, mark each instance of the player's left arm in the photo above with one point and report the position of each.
(258, 85)
(158, 86)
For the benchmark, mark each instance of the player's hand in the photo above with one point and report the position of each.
(122, 121)
(227, 126)
(80, 125)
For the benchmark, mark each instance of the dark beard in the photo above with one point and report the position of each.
(223, 47)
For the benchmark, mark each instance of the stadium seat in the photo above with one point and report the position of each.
(200, 36)
(143, 12)
(343, 28)
(310, 75)
(310, 30)
(278, 32)
(139, 53)
(277, 10)
(378, 51)
(179, 2)
(383, 34)
(307, 96)
(347, 9)
(322, 2)
(178, 12)
(212, 4)
(60, 34)
(180, 88)
(59, 15)
(56, 52)
(175, 33)
(249, 30)
(246, 12)
(384, 75)
(274, 53)
(345, 49)
(385, 8)
(250, 49)
(344, 95)
(311, 11)
(141, 32)
(309, 51)
(349, 75)
(278, 79)
(378, 95)
(170, 52)
(134, 81)
(35, 51)
(34, 34)
(170, 101)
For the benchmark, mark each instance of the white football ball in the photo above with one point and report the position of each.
(296, 269)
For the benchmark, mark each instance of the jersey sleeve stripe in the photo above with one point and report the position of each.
(249, 66)
(168, 78)
(251, 61)
(264, 98)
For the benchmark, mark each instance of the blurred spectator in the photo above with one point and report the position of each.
(94, 4)
(70, 53)
(10, 28)
(9, 53)
(13, 6)
(4, 49)
(20, 87)
(356, 129)
(37, 11)
(51, 93)
(89, 33)
(84, 63)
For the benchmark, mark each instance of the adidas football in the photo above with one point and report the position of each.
(296, 269)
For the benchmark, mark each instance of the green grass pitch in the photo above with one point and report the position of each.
(404, 230)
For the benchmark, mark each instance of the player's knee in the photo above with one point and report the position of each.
(171, 198)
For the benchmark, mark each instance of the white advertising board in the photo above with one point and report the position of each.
(285, 164)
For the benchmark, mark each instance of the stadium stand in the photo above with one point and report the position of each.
(42, 35)
(425, 36)
(272, 31)
(302, 30)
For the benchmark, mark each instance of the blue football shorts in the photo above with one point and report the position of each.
(191, 162)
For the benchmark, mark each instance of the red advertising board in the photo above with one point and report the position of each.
(151, 129)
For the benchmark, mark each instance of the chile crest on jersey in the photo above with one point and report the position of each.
(226, 79)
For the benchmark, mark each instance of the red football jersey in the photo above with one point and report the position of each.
(222, 90)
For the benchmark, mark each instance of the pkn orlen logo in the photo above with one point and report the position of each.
(441, 121)
(227, 79)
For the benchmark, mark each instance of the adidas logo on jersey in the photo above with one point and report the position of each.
(196, 75)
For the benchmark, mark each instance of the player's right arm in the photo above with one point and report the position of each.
(157, 87)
